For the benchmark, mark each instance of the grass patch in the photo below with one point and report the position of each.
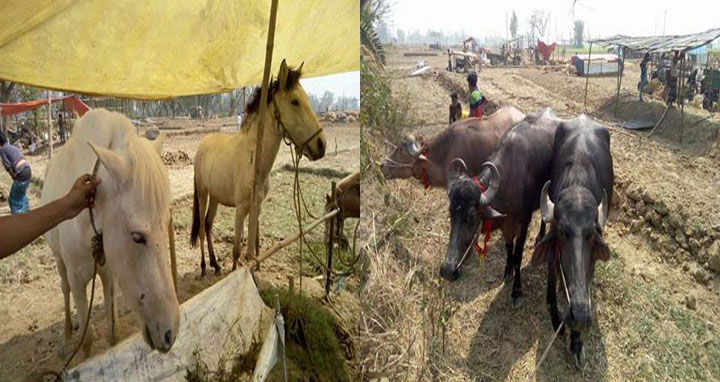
(313, 351)
(241, 369)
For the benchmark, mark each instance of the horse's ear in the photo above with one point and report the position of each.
(283, 75)
(113, 163)
(158, 143)
(301, 66)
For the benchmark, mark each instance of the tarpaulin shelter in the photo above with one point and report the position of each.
(657, 44)
(162, 49)
(72, 103)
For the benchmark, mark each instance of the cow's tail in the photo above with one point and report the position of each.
(195, 231)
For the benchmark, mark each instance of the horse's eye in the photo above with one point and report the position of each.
(295, 102)
(138, 237)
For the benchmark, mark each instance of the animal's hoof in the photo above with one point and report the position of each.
(517, 300)
(509, 276)
(218, 271)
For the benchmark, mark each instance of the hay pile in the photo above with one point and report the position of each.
(176, 158)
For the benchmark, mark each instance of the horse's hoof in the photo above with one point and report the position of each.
(509, 276)
(218, 271)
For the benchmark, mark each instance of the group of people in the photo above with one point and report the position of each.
(477, 101)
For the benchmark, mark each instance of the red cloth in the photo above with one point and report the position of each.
(478, 112)
(545, 50)
(72, 103)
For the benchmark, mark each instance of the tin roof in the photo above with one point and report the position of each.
(662, 43)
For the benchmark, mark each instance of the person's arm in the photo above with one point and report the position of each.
(6, 163)
(16, 231)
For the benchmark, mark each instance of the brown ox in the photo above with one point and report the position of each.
(471, 139)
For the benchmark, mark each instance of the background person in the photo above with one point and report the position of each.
(16, 231)
(19, 169)
(643, 73)
(477, 100)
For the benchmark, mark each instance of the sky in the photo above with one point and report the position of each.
(602, 18)
(348, 82)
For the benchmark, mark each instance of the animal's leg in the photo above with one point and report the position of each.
(241, 212)
(552, 296)
(202, 201)
(509, 236)
(65, 285)
(209, 218)
(576, 349)
(517, 262)
(110, 310)
(81, 302)
(541, 233)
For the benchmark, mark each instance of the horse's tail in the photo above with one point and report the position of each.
(195, 231)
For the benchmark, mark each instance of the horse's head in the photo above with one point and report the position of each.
(133, 212)
(297, 114)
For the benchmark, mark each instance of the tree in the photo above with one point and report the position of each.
(371, 13)
(513, 25)
(401, 35)
(538, 23)
(6, 89)
(327, 100)
(579, 29)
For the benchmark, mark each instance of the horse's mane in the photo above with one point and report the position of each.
(293, 80)
(147, 172)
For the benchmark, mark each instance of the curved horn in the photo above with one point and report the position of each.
(413, 147)
(546, 205)
(493, 184)
(603, 211)
(456, 169)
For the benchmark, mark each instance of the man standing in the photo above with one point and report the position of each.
(643, 74)
(19, 170)
(61, 126)
(477, 100)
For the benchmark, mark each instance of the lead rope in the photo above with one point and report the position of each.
(567, 294)
(99, 258)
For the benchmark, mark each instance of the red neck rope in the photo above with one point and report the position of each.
(487, 226)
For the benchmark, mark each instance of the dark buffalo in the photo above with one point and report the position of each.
(513, 176)
(581, 186)
(471, 139)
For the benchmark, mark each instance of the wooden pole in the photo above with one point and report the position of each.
(330, 243)
(253, 225)
(587, 76)
(255, 262)
(173, 257)
(619, 81)
(49, 121)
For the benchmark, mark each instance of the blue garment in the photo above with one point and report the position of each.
(643, 82)
(18, 197)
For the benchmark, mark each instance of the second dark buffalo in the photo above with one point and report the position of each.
(512, 179)
(581, 188)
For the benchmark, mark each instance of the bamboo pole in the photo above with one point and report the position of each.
(253, 225)
(330, 242)
(49, 121)
(587, 76)
(255, 262)
(682, 100)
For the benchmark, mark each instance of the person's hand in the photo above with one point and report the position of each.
(81, 195)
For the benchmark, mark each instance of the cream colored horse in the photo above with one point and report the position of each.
(223, 162)
(131, 211)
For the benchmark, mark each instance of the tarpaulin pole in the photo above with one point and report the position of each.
(253, 225)
(49, 120)
(587, 76)
(619, 78)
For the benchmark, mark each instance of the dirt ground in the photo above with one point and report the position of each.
(31, 304)
(419, 327)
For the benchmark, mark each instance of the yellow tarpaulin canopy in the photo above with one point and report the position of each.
(160, 49)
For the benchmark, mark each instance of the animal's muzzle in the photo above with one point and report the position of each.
(578, 317)
(449, 271)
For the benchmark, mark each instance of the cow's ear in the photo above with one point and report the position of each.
(543, 249)
(600, 250)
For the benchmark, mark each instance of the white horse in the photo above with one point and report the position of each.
(224, 162)
(132, 212)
